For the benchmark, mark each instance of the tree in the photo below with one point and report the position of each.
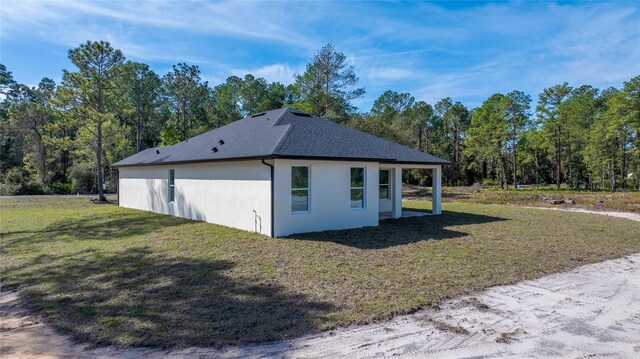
(239, 97)
(373, 125)
(420, 124)
(389, 117)
(256, 95)
(631, 118)
(391, 104)
(553, 122)
(516, 105)
(488, 135)
(10, 145)
(90, 93)
(33, 117)
(535, 166)
(141, 96)
(323, 85)
(614, 146)
(580, 110)
(451, 123)
(457, 121)
(227, 101)
(187, 94)
(105, 109)
(6, 80)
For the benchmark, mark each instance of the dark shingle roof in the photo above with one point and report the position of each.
(282, 133)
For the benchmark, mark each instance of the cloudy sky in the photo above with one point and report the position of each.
(466, 51)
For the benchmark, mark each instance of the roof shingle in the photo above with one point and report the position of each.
(282, 133)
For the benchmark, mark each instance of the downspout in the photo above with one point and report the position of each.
(118, 187)
(272, 189)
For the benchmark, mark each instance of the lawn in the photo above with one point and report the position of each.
(109, 275)
(542, 197)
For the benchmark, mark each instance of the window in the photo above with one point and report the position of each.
(384, 184)
(299, 188)
(357, 187)
(172, 185)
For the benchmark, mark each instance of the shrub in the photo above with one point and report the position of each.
(111, 184)
(31, 188)
(5, 189)
(83, 178)
(16, 176)
(18, 181)
(59, 188)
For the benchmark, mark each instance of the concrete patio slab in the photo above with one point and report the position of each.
(405, 214)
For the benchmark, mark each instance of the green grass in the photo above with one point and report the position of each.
(109, 275)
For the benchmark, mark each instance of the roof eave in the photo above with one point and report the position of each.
(291, 157)
(331, 158)
(417, 162)
(231, 159)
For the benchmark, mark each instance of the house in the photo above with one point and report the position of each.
(277, 172)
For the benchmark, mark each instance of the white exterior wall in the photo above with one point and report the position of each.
(329, 198)
(222, 193)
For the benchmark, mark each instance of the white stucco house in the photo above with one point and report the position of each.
(278, 172)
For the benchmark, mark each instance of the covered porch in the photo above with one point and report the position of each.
(390, 191)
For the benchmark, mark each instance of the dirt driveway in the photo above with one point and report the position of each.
(593, 310)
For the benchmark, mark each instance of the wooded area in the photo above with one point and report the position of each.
(62, 138)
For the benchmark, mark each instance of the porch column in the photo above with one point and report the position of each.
(396, 196)
(437, 190)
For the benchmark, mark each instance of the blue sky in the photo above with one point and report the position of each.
(466, 51)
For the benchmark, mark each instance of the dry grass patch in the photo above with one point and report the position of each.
(543, 197)
(109, 275)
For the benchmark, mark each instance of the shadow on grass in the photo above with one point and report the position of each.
(102, 226)
(136, 298)
(410, 209)
(396, 232)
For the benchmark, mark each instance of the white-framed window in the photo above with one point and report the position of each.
(172, 185)
(384, 184)
(357, 187)
(300, 188)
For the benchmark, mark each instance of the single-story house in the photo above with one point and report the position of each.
(277, 172)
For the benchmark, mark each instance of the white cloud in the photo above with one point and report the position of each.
(126, 26)
(252, 20)
(282, 73)
(389, 73)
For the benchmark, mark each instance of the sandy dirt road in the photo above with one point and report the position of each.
(592, 311)
(626, 215)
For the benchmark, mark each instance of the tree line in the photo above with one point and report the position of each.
(62, 138)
